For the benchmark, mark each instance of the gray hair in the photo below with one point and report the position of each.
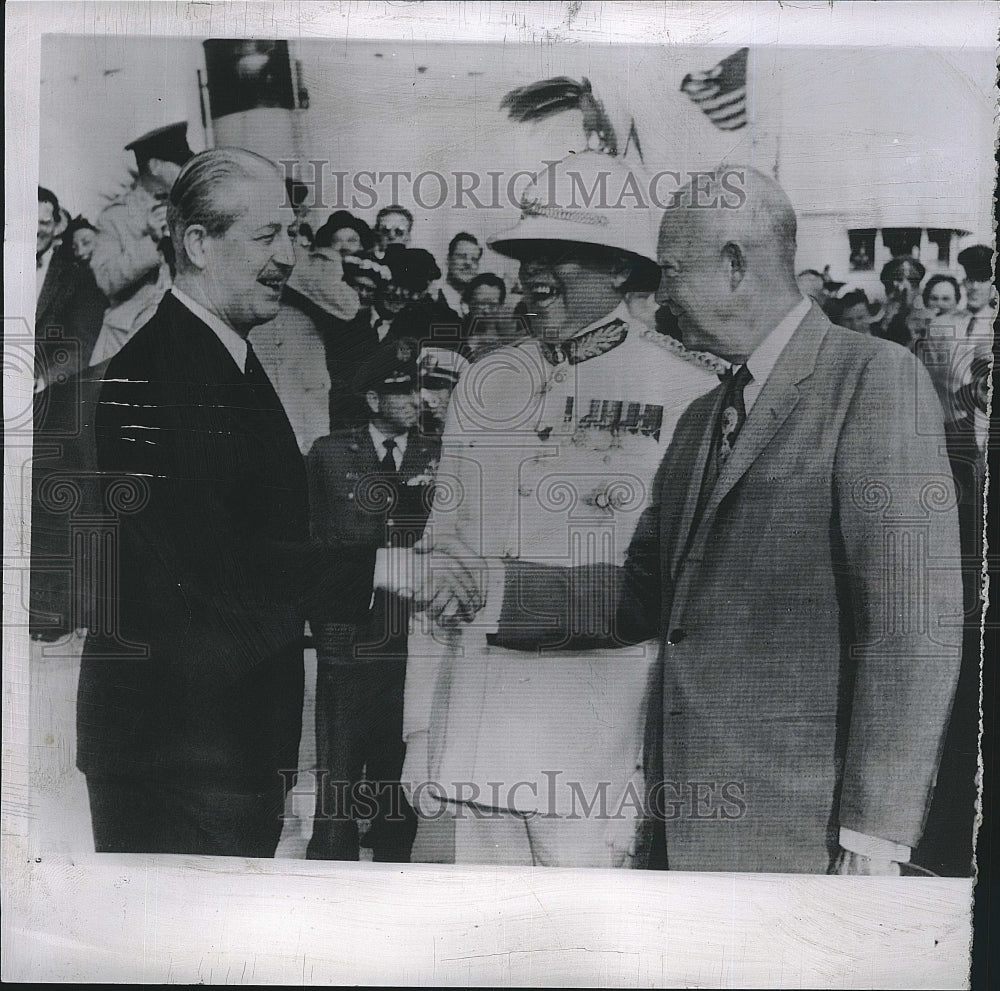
(203, 192)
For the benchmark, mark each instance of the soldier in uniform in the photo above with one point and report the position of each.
(549, 454)
(131, 259)
(370, 487)
(440, 370)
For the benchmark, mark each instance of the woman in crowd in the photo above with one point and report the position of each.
(345, 234)
(80, 238)
(409, 305)
(941, 294)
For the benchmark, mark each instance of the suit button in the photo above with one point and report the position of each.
(674, 637)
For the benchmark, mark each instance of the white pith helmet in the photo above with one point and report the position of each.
(586, 198)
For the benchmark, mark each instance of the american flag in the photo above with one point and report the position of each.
(721, 93)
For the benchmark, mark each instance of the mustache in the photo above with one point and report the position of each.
(274, 274)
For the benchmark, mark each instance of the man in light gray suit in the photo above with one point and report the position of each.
(804, 582)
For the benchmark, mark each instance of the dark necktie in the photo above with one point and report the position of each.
(734, 410)
(732, 416)
(253, 369)
(389, 458)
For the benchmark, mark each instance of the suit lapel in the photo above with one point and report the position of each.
(194, 346)
(774, 405)
(368, 456)
(697, 475)
(52, 288)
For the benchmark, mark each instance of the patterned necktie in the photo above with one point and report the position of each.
(734, 411)
(731, 419)
(389, 458)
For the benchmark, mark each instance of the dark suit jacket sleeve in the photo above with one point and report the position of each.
(88, 315)
(319, 505)
(75, 314)
(899, 532)
(546, 607)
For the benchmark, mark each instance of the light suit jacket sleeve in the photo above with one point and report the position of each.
(320, 278)
(546, 607)
(898, 524)
(124, 252)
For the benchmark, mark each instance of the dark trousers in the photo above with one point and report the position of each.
(359, 749)
(132, 815)
(946, 845)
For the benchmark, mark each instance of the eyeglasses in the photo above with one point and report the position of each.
(393, 231)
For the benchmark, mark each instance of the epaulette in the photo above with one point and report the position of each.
(702, 359)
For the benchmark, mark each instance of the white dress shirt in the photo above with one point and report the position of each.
(234, 344)
(396, 569)
(453, 297)
(381, 325)
(761, 363)
(379, 439)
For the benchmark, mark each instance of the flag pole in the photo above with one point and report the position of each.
(763, 91)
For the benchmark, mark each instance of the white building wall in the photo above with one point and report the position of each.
(862, 138)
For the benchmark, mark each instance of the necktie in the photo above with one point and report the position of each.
(253, 369)
(731, 419)
(389, 459)
(734, 411)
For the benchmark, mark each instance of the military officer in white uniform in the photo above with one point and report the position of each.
(549, 454)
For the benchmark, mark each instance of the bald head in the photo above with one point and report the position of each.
(727, 256)
(740, 204)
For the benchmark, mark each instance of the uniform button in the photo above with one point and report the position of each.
(350, 495)
(674, 637)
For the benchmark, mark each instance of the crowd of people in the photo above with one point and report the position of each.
(290, 404)
(355, 285)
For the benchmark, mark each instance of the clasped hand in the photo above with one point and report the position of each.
(445, 578)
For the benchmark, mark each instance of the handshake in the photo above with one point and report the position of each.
(447, 580)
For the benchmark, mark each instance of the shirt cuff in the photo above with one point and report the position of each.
(488, 620)
(394, 571)
(873, 847)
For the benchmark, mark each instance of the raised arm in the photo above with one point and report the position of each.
(124, 252)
